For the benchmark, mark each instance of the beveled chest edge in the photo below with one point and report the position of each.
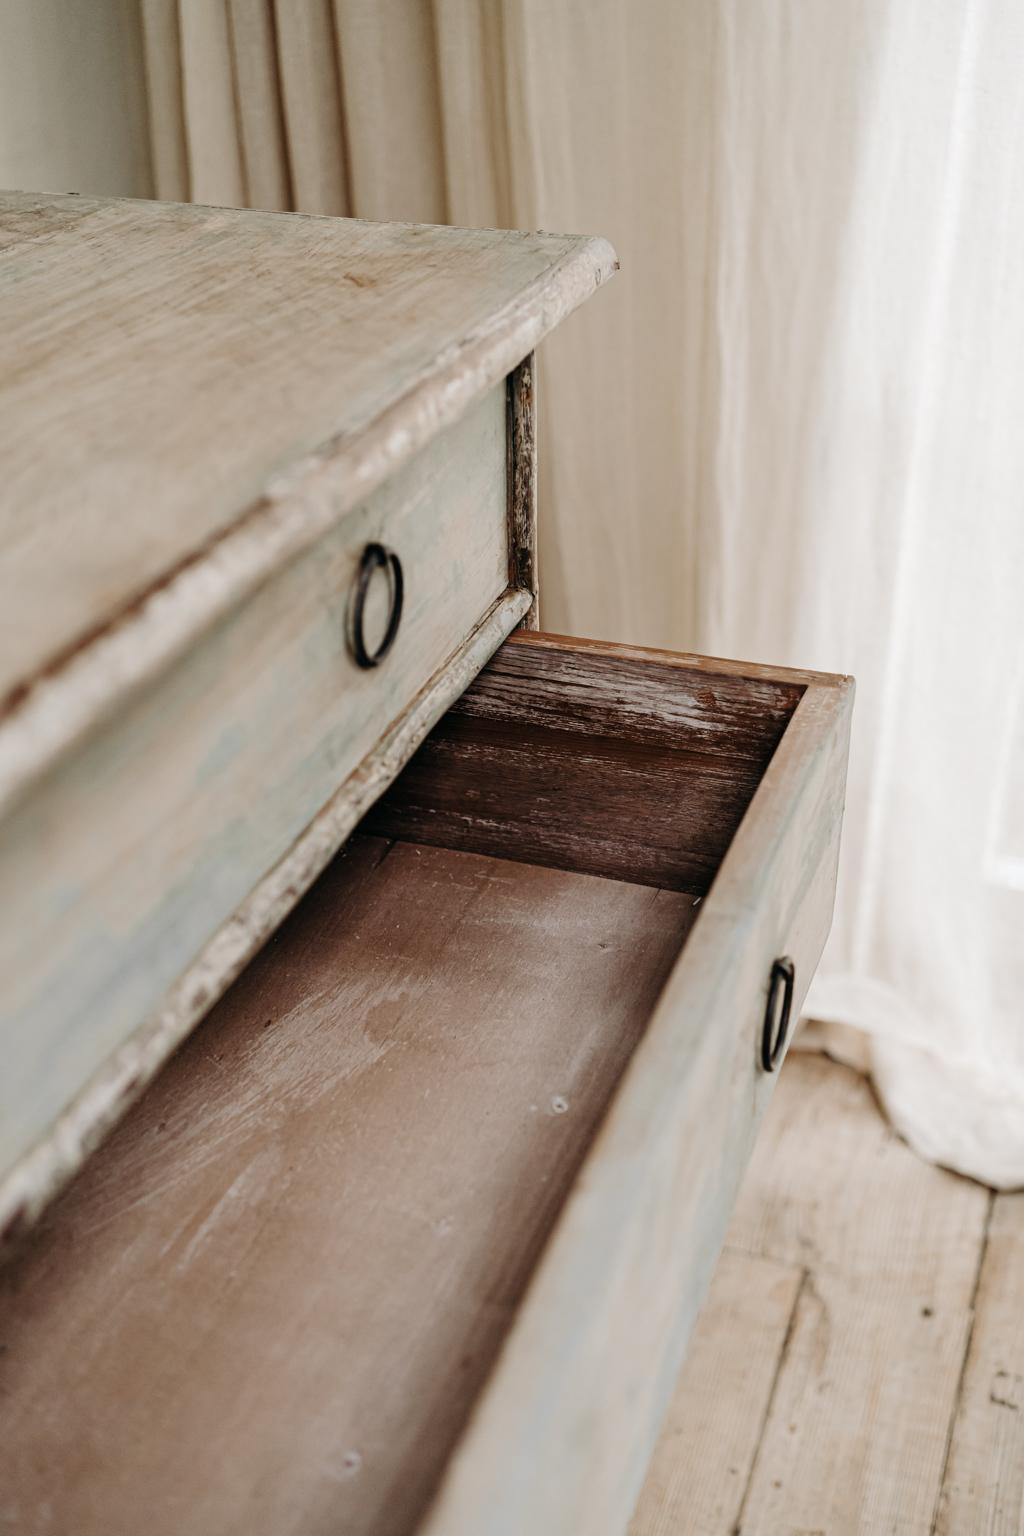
(62, 703)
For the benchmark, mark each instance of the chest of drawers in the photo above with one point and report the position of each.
(504, 927)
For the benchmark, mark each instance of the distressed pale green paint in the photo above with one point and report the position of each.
(127, 856)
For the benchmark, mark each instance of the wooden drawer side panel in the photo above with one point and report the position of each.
(561, 1437)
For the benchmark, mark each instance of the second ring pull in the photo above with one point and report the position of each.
(773, 1038)
(376, 557)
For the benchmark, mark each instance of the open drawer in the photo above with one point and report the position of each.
(411, 1233)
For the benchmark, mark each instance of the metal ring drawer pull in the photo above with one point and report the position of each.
(376, 557)
(773, 1040)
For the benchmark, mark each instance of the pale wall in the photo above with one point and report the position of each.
(72, 97)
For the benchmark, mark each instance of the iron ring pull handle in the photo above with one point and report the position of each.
(773, 1039)
(376, 557)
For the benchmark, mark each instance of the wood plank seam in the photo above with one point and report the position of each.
(780, 1364)
(854, 1437)
(972, 1312)
(824, 1267)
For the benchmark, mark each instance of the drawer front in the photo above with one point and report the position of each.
(121, 864)
(561, 1437)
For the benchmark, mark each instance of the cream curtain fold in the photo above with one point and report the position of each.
(789, 431)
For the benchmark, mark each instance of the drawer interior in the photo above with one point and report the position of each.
(271, 1299)
(633, 765)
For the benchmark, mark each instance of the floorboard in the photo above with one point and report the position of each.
(699, 1475)
(900, 1313)
(855, 1439)
(983, 1489)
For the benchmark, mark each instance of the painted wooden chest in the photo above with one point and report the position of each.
(492, 937)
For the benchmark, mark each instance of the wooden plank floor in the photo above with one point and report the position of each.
(859, 1365)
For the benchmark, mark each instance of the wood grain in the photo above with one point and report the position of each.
(698, 1475)
(852, 1435)
(856, 1437)
(561, 1437)
(863, 1204)
(270, 1299)
(983, 1486)
(628, 765)
(191, 396)
(132, 853)
(857, 1432)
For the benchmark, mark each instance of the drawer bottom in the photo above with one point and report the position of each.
(311, 1245)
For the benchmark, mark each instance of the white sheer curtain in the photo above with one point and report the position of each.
(793, 428)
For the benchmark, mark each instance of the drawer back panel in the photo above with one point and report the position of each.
(592, 760)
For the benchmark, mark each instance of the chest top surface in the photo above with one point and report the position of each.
(189, 395)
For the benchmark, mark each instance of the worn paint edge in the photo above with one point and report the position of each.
(38, 1176)
(60, 704)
